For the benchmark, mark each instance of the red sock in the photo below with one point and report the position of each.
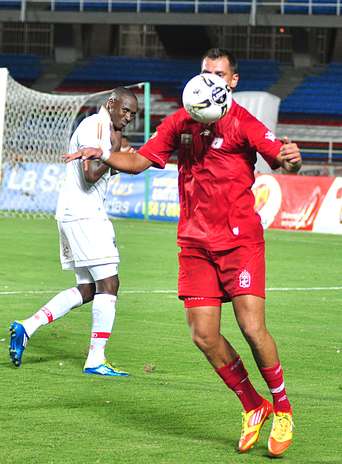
(274, 378)
(236, 378)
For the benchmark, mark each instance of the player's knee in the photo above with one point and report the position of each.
(87, 292)
(254, 332)
(206, 342)
(108, 285)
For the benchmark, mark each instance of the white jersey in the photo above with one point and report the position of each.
(79, 199)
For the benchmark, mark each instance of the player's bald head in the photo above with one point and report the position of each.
(121, 92)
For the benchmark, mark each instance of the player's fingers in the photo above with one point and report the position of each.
(71, 156)
(286, 140)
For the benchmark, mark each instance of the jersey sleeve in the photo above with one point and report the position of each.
(263, 140)
(162, 144)
(94, 133)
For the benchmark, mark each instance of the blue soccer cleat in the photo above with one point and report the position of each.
(106, 370)
(18, 342)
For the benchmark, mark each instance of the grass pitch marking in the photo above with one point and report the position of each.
(161, 292)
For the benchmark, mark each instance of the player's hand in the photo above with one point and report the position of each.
(83, 153)
(290, 157)
(128, 149)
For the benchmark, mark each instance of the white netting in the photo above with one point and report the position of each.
(37, 129)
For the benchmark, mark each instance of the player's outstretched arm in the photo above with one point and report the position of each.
(289, 156)
(131, 162)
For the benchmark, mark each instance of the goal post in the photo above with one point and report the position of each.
(3, 88)
(35, 129)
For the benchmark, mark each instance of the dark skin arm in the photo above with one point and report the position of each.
(94, 169)
(130, 162)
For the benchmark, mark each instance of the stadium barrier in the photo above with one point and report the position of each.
(283, 201)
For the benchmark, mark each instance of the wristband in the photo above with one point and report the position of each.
(105, 155)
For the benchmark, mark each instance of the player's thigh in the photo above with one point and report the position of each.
(250, 313)
(197, 276)
(242, 270)
(204, 321)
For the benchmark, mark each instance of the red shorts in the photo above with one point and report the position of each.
(207, 276)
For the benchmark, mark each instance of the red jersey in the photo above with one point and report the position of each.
(216, 173)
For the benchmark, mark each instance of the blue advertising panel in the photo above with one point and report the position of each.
(34, 187)
(31, 187)
(127, 195)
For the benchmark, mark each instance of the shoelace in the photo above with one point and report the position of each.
(282, 425)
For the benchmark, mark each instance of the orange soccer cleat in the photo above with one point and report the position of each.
(252, 422)
(281, 434)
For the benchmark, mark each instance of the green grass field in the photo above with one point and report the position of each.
(181, 413)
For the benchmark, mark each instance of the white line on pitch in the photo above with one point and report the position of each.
(271, 289)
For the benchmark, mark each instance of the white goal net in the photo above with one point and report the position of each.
(35, 129)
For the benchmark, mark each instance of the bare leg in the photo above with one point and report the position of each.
(205, 324)
(250, 315)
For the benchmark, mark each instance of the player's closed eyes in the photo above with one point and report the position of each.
(125, 111)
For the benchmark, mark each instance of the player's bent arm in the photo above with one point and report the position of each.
(131, 162)
(93, 170)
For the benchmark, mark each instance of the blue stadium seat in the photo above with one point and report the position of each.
(210, 6)
(153, 6)
(130, 5)
(182, 6)
(22, 67)
(10, 4)
(318, 95)
(296, 7)
(327, 7)
(67, 5)
(170, 72)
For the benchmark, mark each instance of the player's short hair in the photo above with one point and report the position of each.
(119, 92)
(215, 53)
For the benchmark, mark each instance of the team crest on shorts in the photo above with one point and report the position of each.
(245, 279)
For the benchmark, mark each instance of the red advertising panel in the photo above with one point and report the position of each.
(291, 202)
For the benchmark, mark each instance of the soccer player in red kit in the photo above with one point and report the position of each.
(222, 256)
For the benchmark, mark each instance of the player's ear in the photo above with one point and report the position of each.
(234, 81)
(110, 104)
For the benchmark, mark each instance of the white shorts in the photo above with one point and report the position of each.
(91, 274)
(87, 242)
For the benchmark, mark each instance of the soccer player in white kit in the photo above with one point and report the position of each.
(87, 237)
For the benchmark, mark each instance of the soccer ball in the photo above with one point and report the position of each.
(207, 97)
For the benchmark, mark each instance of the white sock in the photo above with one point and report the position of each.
(103, 319)
(57, 307)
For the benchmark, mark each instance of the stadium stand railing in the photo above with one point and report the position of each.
(307, 7)
(318, 143)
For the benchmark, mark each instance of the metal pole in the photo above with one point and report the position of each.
(147, 110)
(147, 129)
(23, 11)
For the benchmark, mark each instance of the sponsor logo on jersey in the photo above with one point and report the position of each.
(186, 139)
(236, 230)
(270, 136)
(217, 142)
(245, 279)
